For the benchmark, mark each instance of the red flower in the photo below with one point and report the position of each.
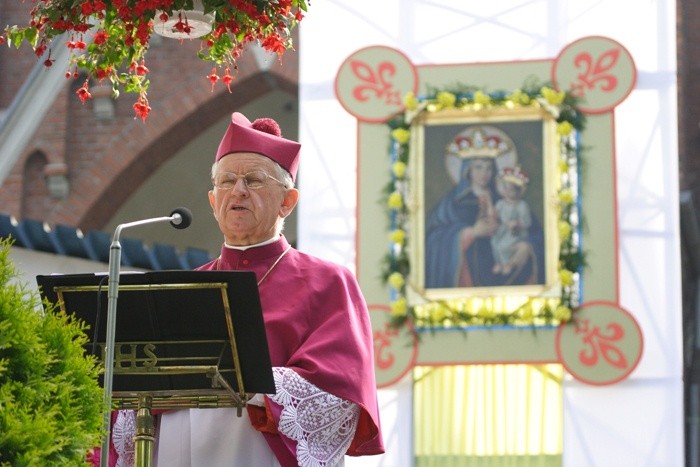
(143, 31)
(83, 93)
(141, 108)
(274, 43)
(213, 78)
(141, 70)
(40, 49)
(124, 12)
(90, 7)
(102, 73)
(49, 61)
(73, 44)
(100, 37)
(182, 26)
(227, 79)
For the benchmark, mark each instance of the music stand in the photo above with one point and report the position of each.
(183, 339)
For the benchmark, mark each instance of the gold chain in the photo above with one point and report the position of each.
(274, 264)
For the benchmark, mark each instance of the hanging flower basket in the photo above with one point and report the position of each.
(109, 39)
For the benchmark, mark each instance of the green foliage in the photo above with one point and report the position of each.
(50, 399)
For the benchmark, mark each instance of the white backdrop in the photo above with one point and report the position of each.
(638, 422)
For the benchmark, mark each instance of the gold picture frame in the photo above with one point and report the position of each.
(452, 256)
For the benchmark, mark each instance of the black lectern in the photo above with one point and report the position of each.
(183, 339)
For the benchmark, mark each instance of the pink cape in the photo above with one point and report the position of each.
(317, 324)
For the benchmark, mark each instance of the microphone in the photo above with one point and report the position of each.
(181, 218)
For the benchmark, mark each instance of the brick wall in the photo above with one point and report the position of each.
(15, 66)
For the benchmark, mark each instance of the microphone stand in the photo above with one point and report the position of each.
(115, 250)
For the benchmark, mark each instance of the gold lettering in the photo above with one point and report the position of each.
(120, 357)
(152, 359)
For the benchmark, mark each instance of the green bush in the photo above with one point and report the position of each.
(50, 399)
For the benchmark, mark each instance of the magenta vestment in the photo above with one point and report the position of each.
(318, 325)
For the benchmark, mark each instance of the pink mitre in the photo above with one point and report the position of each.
(264, 137)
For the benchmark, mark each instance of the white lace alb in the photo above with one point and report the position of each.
(123, 433)
(323, 425)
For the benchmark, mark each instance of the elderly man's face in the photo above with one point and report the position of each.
(247, 216)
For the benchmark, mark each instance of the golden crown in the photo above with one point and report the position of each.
(478, 144)
(514, 175)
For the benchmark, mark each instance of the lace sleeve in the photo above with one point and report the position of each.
(323, 425)
(123, 433)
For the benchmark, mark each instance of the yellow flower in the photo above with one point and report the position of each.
(396, 280)
(566, 197)
(399, 308)
(401, 135)
(564, 128)
(446, 99)
(395, 200)
(485, 312)
(398, 168)
(564, 230)
(566, 277)
(563, 166)
(527, 314)
(438, 314)
(410, 101)
(421, 312)
(519, 97)
(552, 96)
(562, 313)
(397, 236)
(482, 98)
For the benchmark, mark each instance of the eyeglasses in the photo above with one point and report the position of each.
(252, 180)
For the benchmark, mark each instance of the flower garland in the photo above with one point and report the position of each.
(423, 313)
(109, 39)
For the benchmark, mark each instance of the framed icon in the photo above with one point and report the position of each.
(484, 203)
